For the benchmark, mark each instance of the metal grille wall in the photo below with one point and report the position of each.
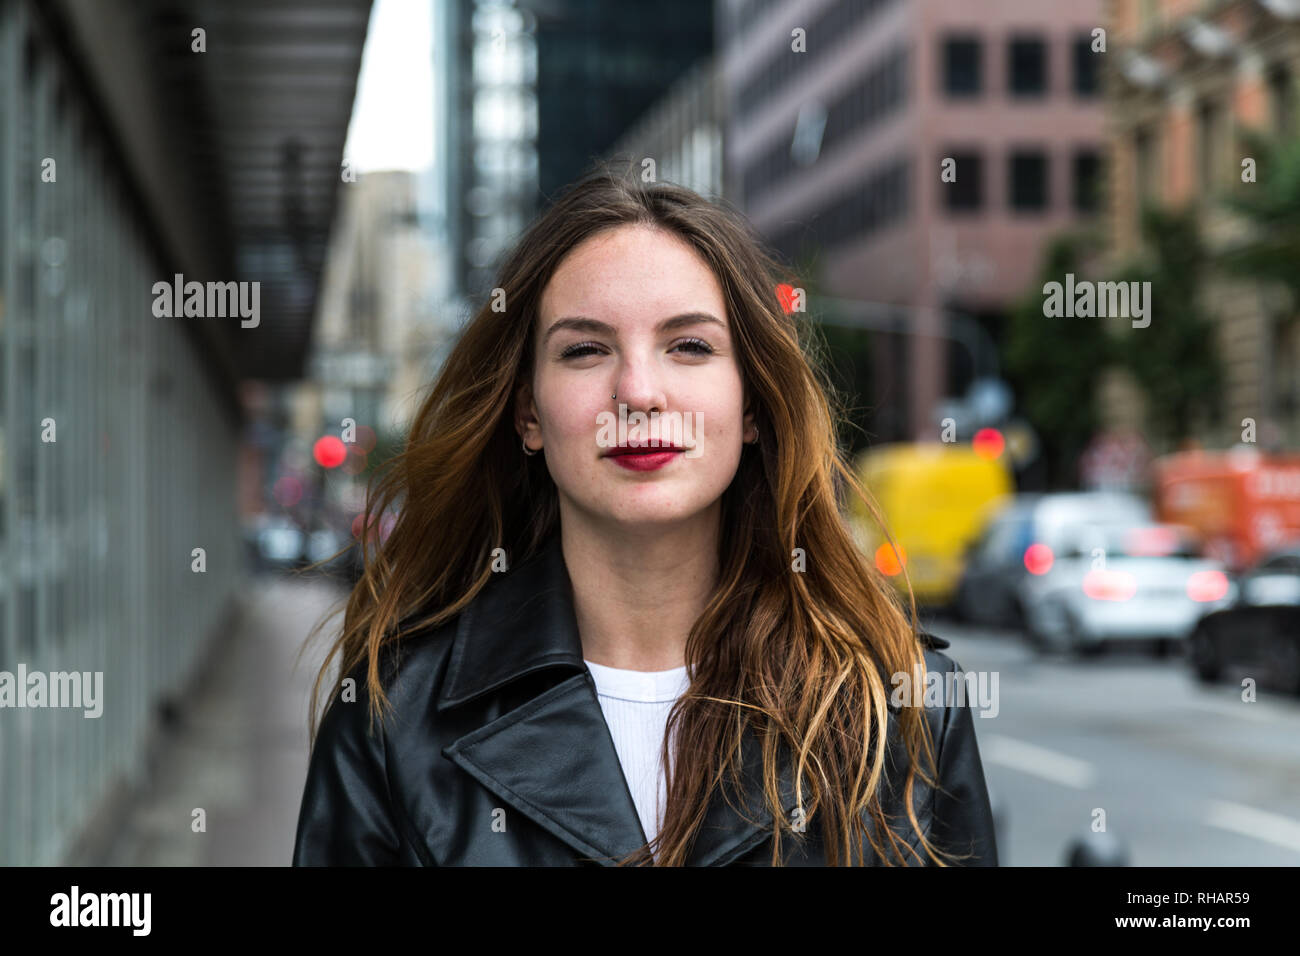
(116, 461)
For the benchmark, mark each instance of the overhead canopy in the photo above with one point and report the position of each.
(272, 100)
(236, 148)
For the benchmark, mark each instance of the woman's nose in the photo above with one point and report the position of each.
(640, 386)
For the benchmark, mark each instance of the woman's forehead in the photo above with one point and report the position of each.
(630, 281)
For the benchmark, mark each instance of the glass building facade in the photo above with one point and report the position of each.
(119, 544)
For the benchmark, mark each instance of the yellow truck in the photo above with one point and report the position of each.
(934, 498)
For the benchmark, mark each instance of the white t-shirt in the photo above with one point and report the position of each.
(636, 705)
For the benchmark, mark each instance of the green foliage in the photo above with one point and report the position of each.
(1173, 359)
(848, 363)
(843, 355)
(389, 442)
(1054, 364)
(1270, 209)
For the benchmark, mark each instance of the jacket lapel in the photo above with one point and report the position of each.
(550, 757)
(553, 760)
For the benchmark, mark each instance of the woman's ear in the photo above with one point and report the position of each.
(526, 423)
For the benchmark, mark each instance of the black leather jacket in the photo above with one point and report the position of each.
(498, 754)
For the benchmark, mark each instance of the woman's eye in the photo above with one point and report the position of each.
(582, 348)
(694, 346)
(697, 346)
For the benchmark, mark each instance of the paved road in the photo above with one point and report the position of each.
(1186, 774)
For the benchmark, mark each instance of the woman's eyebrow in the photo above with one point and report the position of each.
(582, 323)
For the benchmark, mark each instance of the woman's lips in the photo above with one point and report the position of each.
(643, 459)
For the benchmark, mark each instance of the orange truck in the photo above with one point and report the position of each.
(1243, 502)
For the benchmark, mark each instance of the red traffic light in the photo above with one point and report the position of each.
(329, 451)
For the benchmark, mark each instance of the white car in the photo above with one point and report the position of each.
(1120, 581)
(1021, 540)
(280, 543)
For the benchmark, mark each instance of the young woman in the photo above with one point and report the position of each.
(619, 618)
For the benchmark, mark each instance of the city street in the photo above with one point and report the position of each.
(305, 305)
(1187, 774)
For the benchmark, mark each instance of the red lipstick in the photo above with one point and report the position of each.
(643, 457)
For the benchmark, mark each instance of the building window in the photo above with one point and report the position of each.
(1027, 184)
(1209, 136)
(877, 94)
(1282, 101)
(1144, 156)
(1086, 74)
(1087, 181)
(1027, 66)
(962, 73)
(1286, 374)
(967, 193)
(869, 206)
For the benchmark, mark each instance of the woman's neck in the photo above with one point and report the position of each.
(636, 597)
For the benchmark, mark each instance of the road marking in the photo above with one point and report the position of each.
(1038, 761)
(1260, 824)
(1240, 709)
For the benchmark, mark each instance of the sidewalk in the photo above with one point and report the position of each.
(238, 747)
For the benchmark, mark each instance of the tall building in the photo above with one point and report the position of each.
(498, 153)
(375, 330)
(842, 114)
(529, 93)
(682, 133)
(440, 188)
(481, 188)
(600, 66)
(1190, 76)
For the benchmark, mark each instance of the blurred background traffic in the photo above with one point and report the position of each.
(1102, 505)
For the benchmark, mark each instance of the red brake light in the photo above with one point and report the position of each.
(1207, 585)
(1103, 585)
(1038, 558)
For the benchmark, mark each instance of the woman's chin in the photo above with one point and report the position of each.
(652, 515)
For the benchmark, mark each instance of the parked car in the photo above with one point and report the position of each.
(280, 544)
(1020, 541)
(1120, 581)
(1259, 628)
(326, 545)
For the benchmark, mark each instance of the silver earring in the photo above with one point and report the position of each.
(615, 395)
(527, 450)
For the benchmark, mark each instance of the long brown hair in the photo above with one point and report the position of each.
(799, 657)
